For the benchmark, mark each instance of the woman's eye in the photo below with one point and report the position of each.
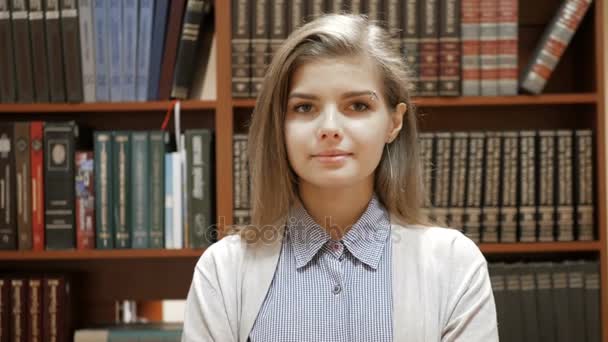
(359, 107)
(303, 108)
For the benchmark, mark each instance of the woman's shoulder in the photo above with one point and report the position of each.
(440, 242)
(226, 252)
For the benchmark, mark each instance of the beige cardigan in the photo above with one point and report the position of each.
(441, 288)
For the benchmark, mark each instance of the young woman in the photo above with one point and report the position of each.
(338, 248)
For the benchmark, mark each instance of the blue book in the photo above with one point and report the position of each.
(169, 242)
(158, 44)
(144, 41)
(115, 51)
(102, 67)
(129, 41)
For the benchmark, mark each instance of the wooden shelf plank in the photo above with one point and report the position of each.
(125, 254)
(540, 247)
(464, 101)
(99, 254)
(103, 107)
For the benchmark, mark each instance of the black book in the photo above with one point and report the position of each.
(59, 190)
(8, 212)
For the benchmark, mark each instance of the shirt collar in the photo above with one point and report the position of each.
(365, 240)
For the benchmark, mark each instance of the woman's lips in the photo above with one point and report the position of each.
(332, 158)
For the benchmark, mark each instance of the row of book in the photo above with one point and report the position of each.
(35, 307)
(140, 332)
(100, 50)
(511, 186)
(453, 47)
(547, 301)
(130, 191)
(506, 186)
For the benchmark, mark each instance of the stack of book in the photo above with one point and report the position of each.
(452, 47)
(130, 191)
(104, 50)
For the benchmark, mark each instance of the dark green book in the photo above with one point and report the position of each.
(158, 149)
(103, 190)
(139, 190)
(121, 159)
(198, 187)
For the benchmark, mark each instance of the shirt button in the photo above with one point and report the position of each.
(337, 289)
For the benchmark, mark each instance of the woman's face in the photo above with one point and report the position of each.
(337, 122)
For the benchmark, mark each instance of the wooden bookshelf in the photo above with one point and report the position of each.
(574, 98)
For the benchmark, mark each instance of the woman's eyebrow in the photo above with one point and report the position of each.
(348, 94)
(303, 96)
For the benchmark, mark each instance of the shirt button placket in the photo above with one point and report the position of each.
(337, 289)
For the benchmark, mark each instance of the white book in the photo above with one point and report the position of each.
(178, 228)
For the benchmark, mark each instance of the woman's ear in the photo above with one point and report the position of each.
(396, 121)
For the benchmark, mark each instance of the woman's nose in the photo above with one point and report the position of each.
(329, 126)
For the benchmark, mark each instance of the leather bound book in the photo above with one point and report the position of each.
(8, 212)
(39, 55)
(71, 50)
(23, 51)
(8, 92)
(172, 37)
(23, 184)
(54, 50)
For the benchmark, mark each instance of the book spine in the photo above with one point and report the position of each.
(470, 58)
(8, 87)
(393, 11)
(490, 208)
(529, 306)
(18, 327)
(514, 323)
(356, 6)
(59, 185)
(565, 195)
(296, 14)
(34, 310)
(198, 147)
(158, 149)
(474, 188)
(129, 49)
(426, 142)
(87, 49)
(8, 224)
(458, 180)
(508, 200)
(71, 50)
(592, 301)
(278, 30)
(172, 36)
(85, 200)
(37, 172)
(449, 48)
(497, 279)
(121, 189)
(186, 55)
(374, 10)
(169, 203)
(40, 59)
(429, 48)
(23, 185)
(56, 290)
(507, 47)
(260, 44)
(559, 277)
(584, 185)
(552, 45)
(158, 34)
(546, 315)
(442, 181)
(54, 49)
(115, 48)
(546, 186)
(527, 186)
(4, 309)
(139, 190)
(236, 160)
(576, 298)
(245, 181)
(101, 45)
(178, 188)
(144, 42)
(103, 190)
(316, 8)
(241, 55)
(411, 40)
(23, 51)
(489, 47)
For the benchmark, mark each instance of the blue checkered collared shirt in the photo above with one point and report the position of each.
(326, 290)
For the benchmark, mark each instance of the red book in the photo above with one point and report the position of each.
(85, 200)
(37, 165)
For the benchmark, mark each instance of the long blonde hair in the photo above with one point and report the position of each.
(274, 183)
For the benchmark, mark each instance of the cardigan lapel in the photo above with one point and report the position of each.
(261, 263)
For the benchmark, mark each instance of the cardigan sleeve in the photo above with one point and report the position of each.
(473, 311)
(205, 317)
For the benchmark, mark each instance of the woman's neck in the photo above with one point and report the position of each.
(336, 209)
